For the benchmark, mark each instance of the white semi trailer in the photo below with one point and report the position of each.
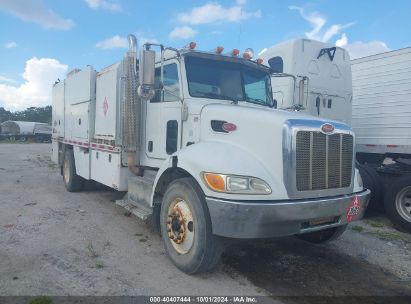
(382, 123)
(195, 140)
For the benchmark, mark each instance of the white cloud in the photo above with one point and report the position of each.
(7, 79)
(103, 4)
(39, 76)
(120, 42)
(359, 49)
(241, 2)
(142, 38)
(115, 42)
(35, 11)
(10, 45)
(182, 32)
(318, 22)
(343, 41)
(213, 12)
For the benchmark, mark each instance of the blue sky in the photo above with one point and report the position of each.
(41, 40)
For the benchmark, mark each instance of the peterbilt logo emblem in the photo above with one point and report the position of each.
(327, 128)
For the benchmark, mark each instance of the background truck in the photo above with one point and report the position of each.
(382, 123)
(25, 130)
(195, 140)
(312, 77)
(315, 78)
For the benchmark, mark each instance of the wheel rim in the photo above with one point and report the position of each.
(403, 203)
(66, 171)
(180, 226)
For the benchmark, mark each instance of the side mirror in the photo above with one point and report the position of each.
(146, 72)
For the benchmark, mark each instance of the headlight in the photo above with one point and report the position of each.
(359, 179)
(235, 184)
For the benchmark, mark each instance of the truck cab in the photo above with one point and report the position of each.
(319, 78)
(197, 141)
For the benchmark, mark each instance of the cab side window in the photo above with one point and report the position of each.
(171, 84)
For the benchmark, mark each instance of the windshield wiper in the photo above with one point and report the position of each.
(257, 101)
(219, 96)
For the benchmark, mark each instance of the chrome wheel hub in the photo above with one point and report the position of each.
(403, 203)
(180, 226)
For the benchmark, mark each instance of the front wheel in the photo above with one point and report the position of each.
(186, 228)
(323, 236)
(398, 203)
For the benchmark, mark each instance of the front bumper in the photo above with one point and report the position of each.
(266, 219)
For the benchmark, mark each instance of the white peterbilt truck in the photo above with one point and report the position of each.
(196, 141)
(372, 94)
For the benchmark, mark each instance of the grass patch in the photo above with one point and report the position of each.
(41, 300)
(357, 228)
(99, 264)
(91, 252)
(143, 240)
(52, 166)
(374, 223)
(386, 235)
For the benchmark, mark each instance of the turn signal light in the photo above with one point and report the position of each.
(192, 45)
(219, 49)
(216, 182)
(235, 52)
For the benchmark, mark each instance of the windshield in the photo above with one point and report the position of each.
(227, 80)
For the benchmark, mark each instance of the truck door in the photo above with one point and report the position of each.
(163, 117)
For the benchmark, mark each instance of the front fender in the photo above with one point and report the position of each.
(226, 158)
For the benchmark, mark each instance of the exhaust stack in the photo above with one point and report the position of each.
(132, 110)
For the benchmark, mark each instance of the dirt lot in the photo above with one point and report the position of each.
(59, 243)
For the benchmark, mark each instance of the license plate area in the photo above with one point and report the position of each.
(322, 221)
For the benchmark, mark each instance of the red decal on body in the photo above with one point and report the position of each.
(354, 209)
(105, 106)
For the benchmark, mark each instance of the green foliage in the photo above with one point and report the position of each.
(37, 114)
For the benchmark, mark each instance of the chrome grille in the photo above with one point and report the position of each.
(323, 161)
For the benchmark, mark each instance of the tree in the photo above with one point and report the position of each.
(37, 114)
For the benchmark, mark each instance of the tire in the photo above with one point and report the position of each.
(373, 182)
(199, 250)
(72, 181)
(398, 203)
(323, 236)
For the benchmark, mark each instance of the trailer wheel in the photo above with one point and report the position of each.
(398, 203)
(322, 236)
(186, 228)
(72, 181)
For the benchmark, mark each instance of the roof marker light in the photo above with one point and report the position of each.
(219, 49)
(259, 61)
(235, 52)
(248, 53)
(192, 45)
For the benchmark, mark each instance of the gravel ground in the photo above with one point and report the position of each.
(58, 243)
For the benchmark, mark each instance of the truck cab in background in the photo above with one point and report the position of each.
(196, 141)
(311, 76)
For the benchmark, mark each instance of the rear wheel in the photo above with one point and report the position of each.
(398, 203)
(72, 181)
(322, 236)
(186, 228)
